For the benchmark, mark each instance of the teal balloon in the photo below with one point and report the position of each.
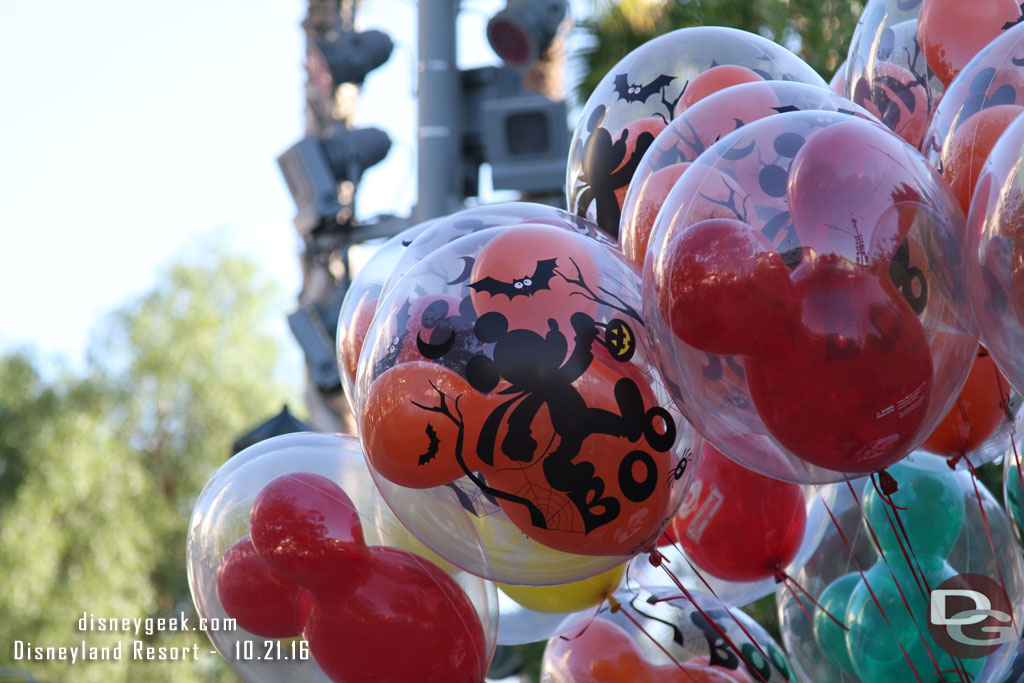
(830, 636)
(933, 518)
(1014, 499)
(874, 646)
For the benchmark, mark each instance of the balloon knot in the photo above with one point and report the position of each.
(655, 558)
(887, 482)
(951, 463)
(780, 575)
(613, 604)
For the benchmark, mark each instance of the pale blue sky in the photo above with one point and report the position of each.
(130, 128)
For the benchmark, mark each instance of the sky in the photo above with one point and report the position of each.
(132, 130)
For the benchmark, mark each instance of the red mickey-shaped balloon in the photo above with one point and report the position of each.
(743, 526)
(851, 392)
(402, 620)
(728, 291)
(303, 526)
(261, 601)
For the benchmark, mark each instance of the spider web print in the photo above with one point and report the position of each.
(555, 507)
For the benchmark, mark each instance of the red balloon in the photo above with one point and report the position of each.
(302, 525)
(951, 32)
(728, 290)
(977, 413)
(400, 619)
(261, 601)
(741, 526)
(367, 604)
(850, 393)
(851, 192)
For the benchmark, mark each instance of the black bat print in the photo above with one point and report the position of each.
(633, 92)
(525, 286)
(432, 447)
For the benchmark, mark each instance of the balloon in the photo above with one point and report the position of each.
(886, 71)
(570, 597)
(745, 526)
(711, 81)
(982, 407)
(817, 332)
(613, 648)
(977, 107)
(953, 528)
(262, 601)
(360, 303)
(934, 514)
(698, 128)
(313, 550)
(873, 640)
(461, 223)
(554, 427)
(831, 636)
(953, 32)
(994, 254)
(1013, 499)
(650, 82)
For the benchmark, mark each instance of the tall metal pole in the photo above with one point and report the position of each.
(439, 172)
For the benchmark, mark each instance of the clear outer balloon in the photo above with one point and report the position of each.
(980, 425)
(360, 303)
(696, 129)
(529, 416)
(797, 292)
(978, 106)
(706, 510)
(886, 71)
(465, 222)
(613, 649)
(947, 530)
(837, 83)
(221, 518)
(995, 277)
(641, 94)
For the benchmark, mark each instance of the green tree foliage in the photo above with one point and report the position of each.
(98, 475)
(819, 31)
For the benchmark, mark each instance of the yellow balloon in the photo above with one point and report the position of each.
(569, 597)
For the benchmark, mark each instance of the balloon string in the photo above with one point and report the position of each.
(658, 560)
(988, 533)
(593, 617)
(901, 534)
(925, 592)
(617, 606)
(785, 579)
(871, 592)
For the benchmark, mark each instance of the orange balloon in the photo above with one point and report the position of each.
(635, 232)
(604, 653)
(352, 336)
(972, 141)
(596, 477)
(897, 99)
(951, 32)
(977, 413)
(411, 445)
(633, 131)
(711, 81)
(527, 274)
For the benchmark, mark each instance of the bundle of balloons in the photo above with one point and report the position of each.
(765, 350)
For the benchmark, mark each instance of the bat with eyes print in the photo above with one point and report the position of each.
(634, 92)
(524, 286)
